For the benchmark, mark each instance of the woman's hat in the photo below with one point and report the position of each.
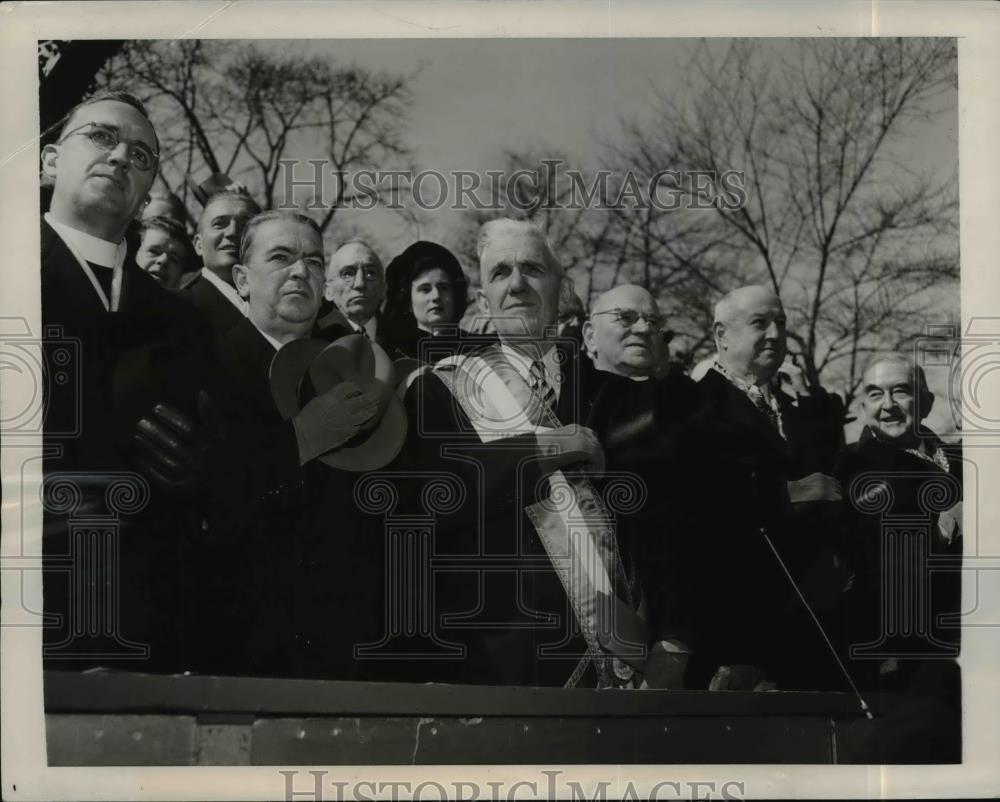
(304, 369)
(418, 257)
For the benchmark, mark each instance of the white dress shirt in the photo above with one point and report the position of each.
(228, 291)
(369, 328)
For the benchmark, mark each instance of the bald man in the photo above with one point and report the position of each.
(623, 334)
(636, 414)
(753, 474)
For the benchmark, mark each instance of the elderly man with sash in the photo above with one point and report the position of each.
(534, 592)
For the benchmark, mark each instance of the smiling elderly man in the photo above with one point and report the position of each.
(904, 605)
(899, 460)
(502, 421)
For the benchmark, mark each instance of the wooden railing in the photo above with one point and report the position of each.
(109, 718)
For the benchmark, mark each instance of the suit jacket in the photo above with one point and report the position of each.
(293, 580)
(104, 371)
(506, 600)
(920, 490)
(331, 323)
(217, 310)
(637, 423)
(739, 606)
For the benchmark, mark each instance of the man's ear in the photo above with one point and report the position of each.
(327, 290)
(719, 331)
(50, 154)
(588, 337)
(240, 280)
(482, 303)
(198, 247)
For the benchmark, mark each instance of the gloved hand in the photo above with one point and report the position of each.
(171, 449)
(330, 420)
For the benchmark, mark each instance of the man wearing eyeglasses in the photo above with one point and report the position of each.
(624, 334)
(636, 409)
(355, 283)
(130, 341)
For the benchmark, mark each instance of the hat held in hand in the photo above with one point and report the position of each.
(304, 369)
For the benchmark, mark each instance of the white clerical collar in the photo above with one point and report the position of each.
(522, 364)
(94, 249)
(228, 290)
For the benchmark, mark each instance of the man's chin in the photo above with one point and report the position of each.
(894, 431)
(297, 309)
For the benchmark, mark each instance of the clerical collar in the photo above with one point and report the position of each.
(94, 249)
(227, 290)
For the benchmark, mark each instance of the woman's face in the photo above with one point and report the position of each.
(431, 298)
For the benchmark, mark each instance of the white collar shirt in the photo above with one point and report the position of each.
(227, 290)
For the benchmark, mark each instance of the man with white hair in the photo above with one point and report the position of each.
(897, 458)
(528, 608)
(904, 485)
(355, 284)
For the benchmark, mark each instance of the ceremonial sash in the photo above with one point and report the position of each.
(572, 523)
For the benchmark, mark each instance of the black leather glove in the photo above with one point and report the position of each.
(171, 449)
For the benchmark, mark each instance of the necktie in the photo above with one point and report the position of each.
(757, 396)
(540, 386)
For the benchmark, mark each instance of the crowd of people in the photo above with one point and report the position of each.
(609, 521)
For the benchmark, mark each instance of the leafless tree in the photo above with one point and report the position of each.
(235, 108)
(855, 239)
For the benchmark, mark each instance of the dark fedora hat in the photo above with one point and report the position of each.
(303, 369)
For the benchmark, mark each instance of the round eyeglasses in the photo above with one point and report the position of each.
(629, 317)
(106, 138)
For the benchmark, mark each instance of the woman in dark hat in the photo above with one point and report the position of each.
(425, 297)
